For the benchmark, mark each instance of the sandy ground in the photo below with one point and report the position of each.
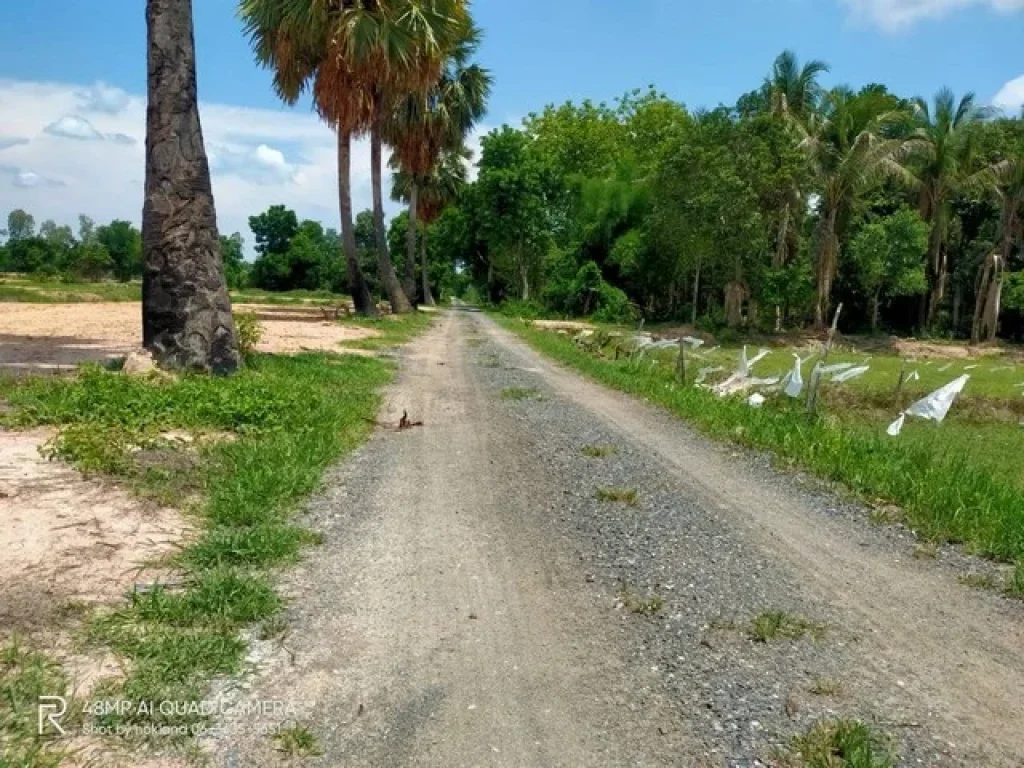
(67, 540)
(41, 338)
(451, 619)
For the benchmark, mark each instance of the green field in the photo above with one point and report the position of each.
(961, 481)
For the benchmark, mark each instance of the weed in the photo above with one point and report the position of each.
(520, 393)
(926, 550)
(298, 741)
(1015, 581)
(645, 606)
(627, 496)
(825, 686)
(250, 332)
(772, 625)
(599, 451)
(885, 514)
(838, 744)
(273, 628)
(977, 580)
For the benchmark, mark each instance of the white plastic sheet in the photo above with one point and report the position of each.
(934, 407)
(703, 373)
(756, 400)
(850, 374)
(827, 370)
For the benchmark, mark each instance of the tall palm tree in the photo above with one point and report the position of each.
(1006, 180)
(942, 153)
(186, 311)
(424, 125)
(431, 193)
(849, 150)
(298, 42)
(356, 56)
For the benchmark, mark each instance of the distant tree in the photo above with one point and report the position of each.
(890, 257)
(91, 261)
(233, 253)
(20, 225)
(123, 243)
(86, 228)
(274, 229)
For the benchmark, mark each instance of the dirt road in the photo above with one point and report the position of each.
(476, 604)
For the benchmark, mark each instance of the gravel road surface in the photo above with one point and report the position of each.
(475, 603)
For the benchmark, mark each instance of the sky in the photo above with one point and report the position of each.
(73, 78)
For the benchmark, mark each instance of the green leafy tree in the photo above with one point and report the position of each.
(890, 257)
(20, 225)
(236, 271)
(123, 243)
(274, 229)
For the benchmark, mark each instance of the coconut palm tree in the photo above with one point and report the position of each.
(942, 158)
(1006, 181)
(433, 192)
(849, 150)
(186, 311)
(424, 125)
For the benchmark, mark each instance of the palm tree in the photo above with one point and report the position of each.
(297, 42)
(356, 56)
(849, 151)
(793, 94)
(1006, 180)
(942, 153)
(433, 192)
(424, 125)
(186, 311)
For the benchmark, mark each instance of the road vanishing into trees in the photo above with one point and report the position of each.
(481, 600)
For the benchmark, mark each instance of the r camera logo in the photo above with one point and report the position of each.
(51, 710)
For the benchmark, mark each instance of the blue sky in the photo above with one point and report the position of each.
(72, 77)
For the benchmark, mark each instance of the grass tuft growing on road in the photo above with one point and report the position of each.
(779, 625)
(599, 451)
(287, 419)
(298, 741)
(627, 496)
(838, 744)
(946, 495)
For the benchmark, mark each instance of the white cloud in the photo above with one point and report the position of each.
(101, 97)
(259, 158)
(1011, 96)
(74, 127)
(7, 142)
(896, 15)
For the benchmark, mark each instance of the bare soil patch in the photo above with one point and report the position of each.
(69, 542)
(563, 325)
(42, 338)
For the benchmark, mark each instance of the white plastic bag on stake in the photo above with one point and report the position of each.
(897, 426)
(794, 381)
(934, 407)
(850, 374)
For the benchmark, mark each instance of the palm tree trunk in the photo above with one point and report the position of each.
(186, 310)
(409, 286)
(936, 271)
(428, 297)
(826, 269)
(399, 301)
(361, 298)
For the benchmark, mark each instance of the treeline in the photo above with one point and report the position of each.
(290, 254)
(106, 252)
(766, 214)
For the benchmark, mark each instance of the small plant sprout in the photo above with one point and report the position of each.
(298, 741)
(599, 451)
(773, 625)
(627, 496)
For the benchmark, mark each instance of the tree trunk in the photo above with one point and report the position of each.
(696, 293)
(186, 310)
(399, 301)
(937, 272)
(735, 294)
(986, 306)
(428, 297)
(357, 287)
(409, 284)
(876, 301)
(524, 276)
(828, 257)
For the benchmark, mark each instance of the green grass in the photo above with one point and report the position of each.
(778, 625)
(599, 451)
(643, 606)
(290, 417)
(838, 744)
(1015, 581)
(627, 496)
(394, 330)
(977, 580)
(24, 677)
(28, 291)
(947, 493)
(298, 741)
(520, 393)
(825, 686)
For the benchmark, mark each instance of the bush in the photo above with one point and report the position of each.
(249, 330)
(528, 310)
